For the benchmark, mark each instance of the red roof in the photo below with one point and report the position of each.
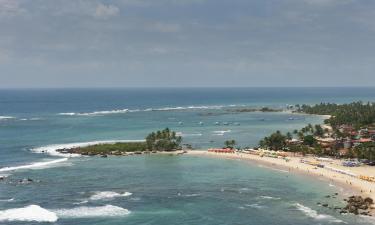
(364, 140)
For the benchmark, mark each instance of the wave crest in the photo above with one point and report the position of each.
(36, 165)
(315, 215)
(88, 212)
(117, 111)
(52, 149)
(7, 117)
(36, 213)
(28, 214)
(120, 111)
(269, 197)
(107, 195)
(220, 132)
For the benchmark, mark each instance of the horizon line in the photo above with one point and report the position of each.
(174, 87)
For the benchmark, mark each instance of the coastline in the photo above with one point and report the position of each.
(353, 185)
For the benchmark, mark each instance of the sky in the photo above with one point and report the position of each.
(179, 43)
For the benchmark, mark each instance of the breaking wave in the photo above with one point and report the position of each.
(35, 213)
(315, 215)
(221, 132)
(107, 195)
(89, 212)
(52, 149)
(255, 206)
(28, 214)
(36, 165)
(269, 197)
(7, 117)
(117, 111)
(120, 111)
(188, 134)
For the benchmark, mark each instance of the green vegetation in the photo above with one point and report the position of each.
(164, 140)
(365, 151)
(275, 141)
(357, 114)
(306, 143)
(230, 144)
(350, 124)
(109, 148)
(264, 109)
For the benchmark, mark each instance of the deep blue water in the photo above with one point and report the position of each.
(165, 189)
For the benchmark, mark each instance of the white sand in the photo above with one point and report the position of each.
(357, 185)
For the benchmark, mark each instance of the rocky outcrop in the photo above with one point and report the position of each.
(358, 205)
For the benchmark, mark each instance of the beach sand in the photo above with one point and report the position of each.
(355, 185)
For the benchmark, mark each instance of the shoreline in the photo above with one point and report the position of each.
(353, 185)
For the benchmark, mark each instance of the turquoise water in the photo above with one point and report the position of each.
(156, 189)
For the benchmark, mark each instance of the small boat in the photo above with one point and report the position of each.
(180, 123)
(217, 123)
(201, 123)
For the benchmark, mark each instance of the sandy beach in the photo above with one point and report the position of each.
(356, 185)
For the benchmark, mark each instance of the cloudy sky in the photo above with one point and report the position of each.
(97, 43)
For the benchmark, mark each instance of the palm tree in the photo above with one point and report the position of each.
(230, 143)
(289, 136)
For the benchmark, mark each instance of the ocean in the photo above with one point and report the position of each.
(157, 189)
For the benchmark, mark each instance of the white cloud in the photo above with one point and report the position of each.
(10, 8)
(106, 11)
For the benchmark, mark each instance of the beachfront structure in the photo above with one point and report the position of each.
(221, 150)
(328, 144)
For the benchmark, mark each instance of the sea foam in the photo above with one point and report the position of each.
(108, 195)
(96, 113)
(221, 132)
(255, 206)
(36, 213)
(6, 117)
(269, 197)
(36, 165)
(52, 149)
(315, 215)
(28, 214)
(88, 212)
(180, 134)
(120, 111)
(7, 200)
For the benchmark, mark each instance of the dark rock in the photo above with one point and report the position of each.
(325, 205)
(368, 201)
(104, 156)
